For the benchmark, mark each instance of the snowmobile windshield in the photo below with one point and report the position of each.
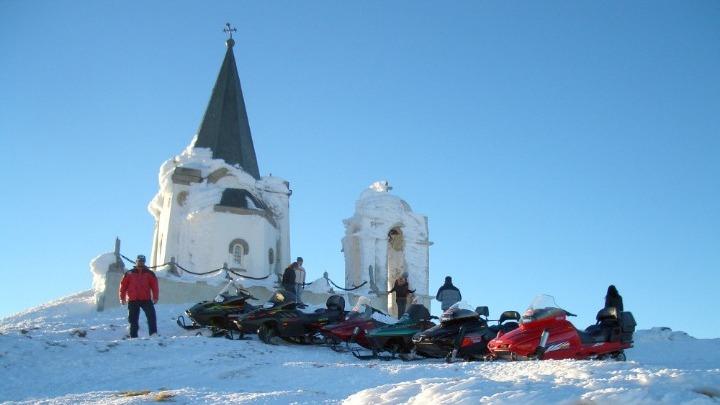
(361, 310)
(458, 310)
(362, 303)
(542, 307)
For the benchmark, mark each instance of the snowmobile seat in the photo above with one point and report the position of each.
(607, 328)
(627, 326)
(594, 334)
(509, 315)
(418, 312)
(606, 314)
(336, 303)
(482, 311)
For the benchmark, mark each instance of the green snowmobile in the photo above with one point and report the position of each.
(396, 339)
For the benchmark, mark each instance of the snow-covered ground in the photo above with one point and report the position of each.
(65, 352)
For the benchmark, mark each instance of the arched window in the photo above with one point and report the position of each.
(238, 253)
(238, 249)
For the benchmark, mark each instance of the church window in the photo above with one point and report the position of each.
(238, 253)
(182, 198)
(271, 256)
(238, 249)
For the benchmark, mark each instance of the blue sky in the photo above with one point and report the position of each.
(556, 147)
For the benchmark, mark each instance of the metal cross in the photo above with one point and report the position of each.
(229, 30)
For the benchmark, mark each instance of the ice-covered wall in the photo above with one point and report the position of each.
(198, 232)
(375, 255)
(107, 266)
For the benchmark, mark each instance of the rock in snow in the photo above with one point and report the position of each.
(44, 360)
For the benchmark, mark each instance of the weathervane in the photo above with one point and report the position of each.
(229, 30)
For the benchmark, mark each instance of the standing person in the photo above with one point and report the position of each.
(401, 288)
(448, 294)
(288, 278)
(299, 278)
(614, 299)
(139, 289)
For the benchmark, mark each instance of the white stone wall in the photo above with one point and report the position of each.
(366, 244)
(191, 228)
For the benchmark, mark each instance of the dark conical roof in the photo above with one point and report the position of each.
(225, 128)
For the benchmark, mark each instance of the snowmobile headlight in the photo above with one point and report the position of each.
(219, 298)
(356, 330)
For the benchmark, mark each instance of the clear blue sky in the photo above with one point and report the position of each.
(556, 147)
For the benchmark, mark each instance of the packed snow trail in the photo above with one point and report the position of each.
(44, 358)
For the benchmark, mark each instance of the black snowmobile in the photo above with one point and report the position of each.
(284, 318)
(462, 333)
(396, 339)
(218, 315)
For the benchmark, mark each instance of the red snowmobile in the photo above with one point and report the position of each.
(361, 319)
(545, 333)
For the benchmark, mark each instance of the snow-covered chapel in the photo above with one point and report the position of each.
(217, 218)
(213, 207)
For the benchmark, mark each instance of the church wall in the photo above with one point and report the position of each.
(206, 237)
(278, 198)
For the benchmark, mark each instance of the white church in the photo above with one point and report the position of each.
(217, 218)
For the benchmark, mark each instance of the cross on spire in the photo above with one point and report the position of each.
(229, 30)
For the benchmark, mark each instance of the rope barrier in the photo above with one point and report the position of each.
(198, 274)
(149, 267)
(346, 289)
(236, 274)
(248, 277)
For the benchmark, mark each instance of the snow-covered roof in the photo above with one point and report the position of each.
(377, 199)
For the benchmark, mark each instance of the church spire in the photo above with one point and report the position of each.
(225, 128)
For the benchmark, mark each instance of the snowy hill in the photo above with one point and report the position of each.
(65, 352)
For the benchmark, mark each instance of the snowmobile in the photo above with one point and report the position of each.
(462, 333)
(396, 339)
(218, 314)
(545, 333)
(284, 318)
(361, 319)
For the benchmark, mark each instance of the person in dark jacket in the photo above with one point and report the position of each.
(401, 288)
(614, 299)
(139, 289)
(288, 278)
(448, 294)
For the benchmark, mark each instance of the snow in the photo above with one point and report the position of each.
(366, 249)
(45, 359)
(320, 286)
(99, 267)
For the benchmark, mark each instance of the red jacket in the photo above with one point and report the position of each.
(138, 284)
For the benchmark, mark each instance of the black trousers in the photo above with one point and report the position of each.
(134, 316)
(401, 304)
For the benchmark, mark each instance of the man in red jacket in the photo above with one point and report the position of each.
(139, 288)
